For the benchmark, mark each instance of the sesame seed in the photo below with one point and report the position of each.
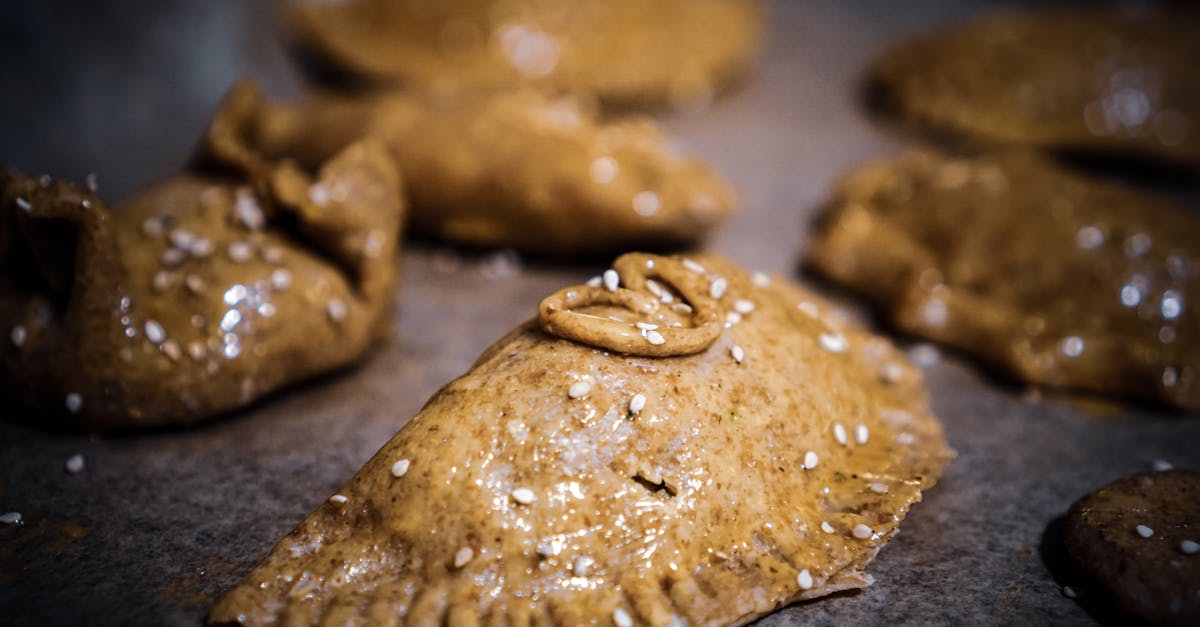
(732, 318)
(319, 194)
(645, 326)
(24, 205)
(74, 402)
(650, 264)
(743, 306)
(637, 403)
(611, 280)
(1072, 346)
(162, 280)
(75, 464)
(879, 488)
(400, 468)
(645, 203)
(694, 267)
(811, 460)
(1069, 592)
(281, 279)
(760, 279)
(603, 170)
(18, 335)
(654, 337)
(839, 433)
(579, 389)
(826, 527)
(582, 565)
(152, 227)
(1189, 547)
(809, 308)
(804, 579)
(86, 203)
(173, 257)
(338, 498)
(196, 350)
(924, 354)
(1144, 531)
(195, 283)
(621, 618)
(891, 372)
(861, 434)
(247, 211)
(337, 310)
(273, 254)
(463, 556)
(1161, 465)
(524, 496)
(861, 531)
(12, 518)
(595, 282)
(240, 252)
(832, 342)
(182, 238)
(171, 349)
(717, 288)
(738, 353)
(92, 182)
(682, 308)
(202, 247)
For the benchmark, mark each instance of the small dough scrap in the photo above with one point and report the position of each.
(1118, 82)
(558, 482)
(520, 170)
(1046, 275)
(199, 295)
(627, 51)
(1154, 578)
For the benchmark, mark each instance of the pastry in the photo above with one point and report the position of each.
(699, 445)
(1115, 82)
(519, 170)
(1136, 538)
(628, 51)
(202, 293)
(1048, 276)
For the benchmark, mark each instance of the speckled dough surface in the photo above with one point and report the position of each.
(559, 483)
(1108, 81)
(193, 298)
(1137, 538)
(623, 50)
(522, 170)
(1048, 276)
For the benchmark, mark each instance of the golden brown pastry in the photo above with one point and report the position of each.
(1110, 81)
(518, 170)
(622, 50)
(708, 447)
(1049, 276)
(199, 295)
(1137, 539)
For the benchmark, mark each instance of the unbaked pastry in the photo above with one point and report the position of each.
(1049, 276)
(199, 295)
(708, 446)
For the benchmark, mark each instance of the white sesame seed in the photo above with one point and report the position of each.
(92, 182)
(811, 460)
(337, 310)
(732, 318)
(1189, 547)
(24, 205)
(891, 372)
(86, 203)
(861, 434)
(1161, 465)
(804, 579)
(694, 267)
(924, 355)
(743, 306)
(75, 464)
(74, 402)
(162, 280)
(11, 518)
(1144, 531)
(595, 282)
(171, 349)
(196, 350)
(621, 618)
(637, 403)
(579, 389)
(182, 238)
(202, 247)
(832, 342)
(195, 283)
(654, 337)
(319, 194)
(760, 279)
(879, 488)
(738, 353)
(152, 227)
(682, 308)
(603, 170)
(1069, 592)
(18, 335)
(611, 280)
(273, 254)
(172, 257)
(247, 211)
(839, 433)
(1072, 346)
(230, 320)
(717, 288)
(463, 556)
(645, 203)
(524, 496)
(339, 499)
(240, 252)
(582, 565)
(861, 531)
(826, 527)
(809, 308)
(645, 326)
(400, 468)
(281, 279)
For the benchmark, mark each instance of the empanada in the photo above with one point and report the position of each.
(709, 446)
(1117, 82)
(1051, 277)
(199, 295)
(621, 50)
(519, 170)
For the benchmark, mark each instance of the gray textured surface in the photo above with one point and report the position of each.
(174, 518)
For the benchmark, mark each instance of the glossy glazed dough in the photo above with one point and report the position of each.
(559, 483)
(622, 50)
(519, 170)
(1049, 276)
(199, 295)
(1102, 81)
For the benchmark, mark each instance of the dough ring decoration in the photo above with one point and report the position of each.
(202, 293)
(562, 483)
(673, 305)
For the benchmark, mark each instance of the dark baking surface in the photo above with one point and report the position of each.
(174, 518)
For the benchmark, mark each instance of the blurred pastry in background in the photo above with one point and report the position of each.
(518, 169)
(1137, 541)
(739, 449)
(202, 293)
(625, 51)
(1107, 82)
(1048, 276)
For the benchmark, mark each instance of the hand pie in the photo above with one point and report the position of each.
(706, 446)
(1048, 276)
(628, 51)
(199, 295)
(518, 170)
(1116, 82)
